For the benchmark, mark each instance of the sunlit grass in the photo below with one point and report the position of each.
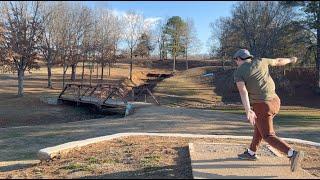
(304, 117)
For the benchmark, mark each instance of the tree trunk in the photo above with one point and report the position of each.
(49, 76)
(160, 53)
(109, 68)
(49, 66)
(97, 72)
(102, 68)
(20, 82)
(318, 45)
(174, 61)
(82, 74)
(91, 68)
(64, 73)
(73, 72)
(166, 54)
(163, 51)
(187, 65)
(318, 53)
(223, 60)
(131, 63)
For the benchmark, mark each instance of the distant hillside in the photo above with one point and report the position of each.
(190, 89)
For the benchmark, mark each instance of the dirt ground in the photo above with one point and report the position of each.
(136, 157)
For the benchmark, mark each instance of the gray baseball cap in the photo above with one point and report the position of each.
(243, 54)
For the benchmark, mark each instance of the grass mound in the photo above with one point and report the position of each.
(189, 88)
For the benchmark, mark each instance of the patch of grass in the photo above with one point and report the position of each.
(11, 134)
(310, 118)
(150, 161)
(93, 160)
(188, 86)
(77, 167)
(110, 161)
(232, 111)
(128, 151)
(24, 156)
(297, 120)
(181, 92)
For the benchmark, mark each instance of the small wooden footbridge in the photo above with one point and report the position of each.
(109, 97)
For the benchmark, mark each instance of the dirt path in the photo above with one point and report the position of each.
(22, 143)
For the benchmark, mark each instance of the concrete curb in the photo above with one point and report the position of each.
(55, 151)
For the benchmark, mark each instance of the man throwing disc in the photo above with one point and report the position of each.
(257, 88)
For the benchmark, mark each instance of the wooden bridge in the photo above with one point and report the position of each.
(104, 98)
(110, 97)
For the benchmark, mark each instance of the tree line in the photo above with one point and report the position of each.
(270, 29)
(70, 34)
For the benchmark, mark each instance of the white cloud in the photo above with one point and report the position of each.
(149, 22)
(118, 13)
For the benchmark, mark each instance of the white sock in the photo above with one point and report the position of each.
(290, 152)
(251, 152)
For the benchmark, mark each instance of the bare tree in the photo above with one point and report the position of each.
(48, 44)
(191, 42)
(86, 46)
(107, 38)
(116, 34)
(63, 36)
(266, 28)
(23, 30)
(81, 23)
(90, 52)
(71, 24)
(133, 23)
(159, 38)
(213, 40)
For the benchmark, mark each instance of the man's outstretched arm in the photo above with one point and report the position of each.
(251, 116)
(281, 61)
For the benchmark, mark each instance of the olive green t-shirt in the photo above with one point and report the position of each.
(255, 75)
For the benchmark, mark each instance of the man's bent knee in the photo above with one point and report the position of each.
(267, 137)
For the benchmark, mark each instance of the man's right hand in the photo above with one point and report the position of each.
(251, 116)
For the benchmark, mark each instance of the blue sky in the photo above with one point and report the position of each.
(202, 12)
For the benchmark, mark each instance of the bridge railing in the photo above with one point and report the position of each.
(99, 93)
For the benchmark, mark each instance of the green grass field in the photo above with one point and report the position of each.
(288, 118)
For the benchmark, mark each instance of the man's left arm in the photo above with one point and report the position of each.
(280, 61)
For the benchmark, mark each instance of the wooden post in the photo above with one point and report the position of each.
(78, 94)
(154, 98)
(94, 89)
(112, 92)
(65, 88)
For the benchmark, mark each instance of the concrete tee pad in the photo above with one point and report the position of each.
(220, 161)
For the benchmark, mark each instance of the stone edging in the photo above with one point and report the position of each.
(55, 151)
